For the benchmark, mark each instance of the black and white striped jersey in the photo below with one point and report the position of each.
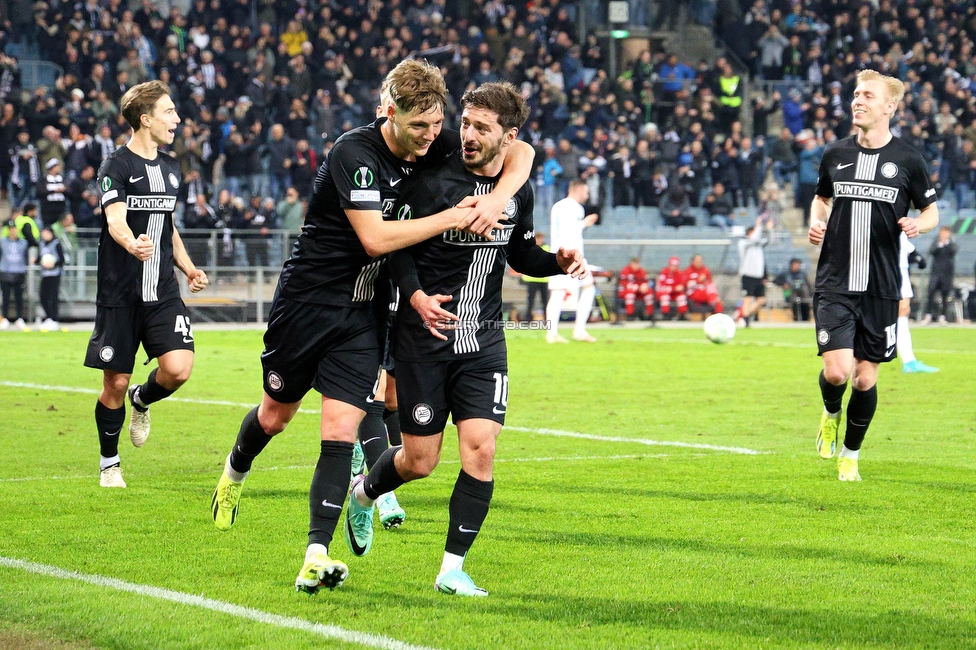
(328, 264)
(871, 189)
(468, 267)
(148, 188)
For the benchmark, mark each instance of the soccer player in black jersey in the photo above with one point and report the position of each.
(324, 327)
(449, 339)
(138, 299)
(867, 183)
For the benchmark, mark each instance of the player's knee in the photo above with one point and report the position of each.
(418, 467)
(836, 376)
(273, 421)
(116, 385)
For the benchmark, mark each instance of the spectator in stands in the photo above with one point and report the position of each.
(784, 158)
(700, 286)
(304, 169)
(752, 271)
(809, 174)
(281, 150)
(632, 286)
(26, 170)
(719, 207)
(750, 165)
(548, 175)
(568, 156)
(622, 171)
(725, 170)
(53, 201)
(676, 208)
(291, 211)
(796, 289)
(13, 272)
(670, 287)
(729, 90)
(942, 275)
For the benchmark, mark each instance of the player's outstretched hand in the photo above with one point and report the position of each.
(197, 280)
(571, 262)
(817, 230)
(432, 314)
(142, 247)
(909, 226)
(486, 211)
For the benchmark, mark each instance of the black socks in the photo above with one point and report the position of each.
(109, 423)
(151, 391)
(251, 441)
(372, 433)
(860, 411)
(383, 476)
(832, 395)
(469, 508)
(330, 483)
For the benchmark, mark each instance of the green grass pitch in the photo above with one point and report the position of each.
(597, 541)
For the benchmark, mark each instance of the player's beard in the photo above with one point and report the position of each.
(487, 156)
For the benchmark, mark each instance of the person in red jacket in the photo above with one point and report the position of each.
(700, 287)
(633, 285)
(671, 286)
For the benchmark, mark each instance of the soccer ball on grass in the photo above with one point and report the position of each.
(719, 328)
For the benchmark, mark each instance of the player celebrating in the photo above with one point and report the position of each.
(699, 285)
(138, 299)
(634, 285)
(324, 327)
(567, 222)
(453, 283)
(671, 286)
(872, 178)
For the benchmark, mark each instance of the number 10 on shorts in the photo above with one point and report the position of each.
(501, 388)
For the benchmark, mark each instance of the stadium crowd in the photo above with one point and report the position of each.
(265, 88)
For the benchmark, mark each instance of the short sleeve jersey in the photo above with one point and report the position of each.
(329, 264)
(566, 225)
(871, 189)
(148, 188)
(468, 267)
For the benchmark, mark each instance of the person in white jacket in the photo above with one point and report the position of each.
(568, 220)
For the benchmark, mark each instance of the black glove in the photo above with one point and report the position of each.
(915, 258)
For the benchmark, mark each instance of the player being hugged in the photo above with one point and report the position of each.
(449, 339)
(138, 298)
(871, 178)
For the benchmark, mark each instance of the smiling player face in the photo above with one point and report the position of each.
(871, 105)
(163, 121)
(482, 137)
(416, 130)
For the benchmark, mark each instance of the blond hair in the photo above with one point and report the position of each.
(895, 88)
(141, 100)
(416, 85)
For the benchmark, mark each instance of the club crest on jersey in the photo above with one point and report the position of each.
(510, 208)
(275, 382)
(173, 180)
(500, 237)
(106, 184)
(423, 414)
(889, 170)
(107, 353)
(363, 177)
(823, 337)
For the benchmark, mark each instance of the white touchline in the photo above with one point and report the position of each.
(545, 432)
(277, 620)
(640, 441)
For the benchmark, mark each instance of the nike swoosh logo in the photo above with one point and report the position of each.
(495, 410)
(113, 434)
(467, 530)
(187, 340)
(132, 179)
(365, 442)
(839, 167)
(394, 183)
(331, 505)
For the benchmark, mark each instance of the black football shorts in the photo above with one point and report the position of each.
(159, 327)
(332, 349)
(866, 324)
(474, 387)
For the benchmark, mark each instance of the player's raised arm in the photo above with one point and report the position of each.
(488, 209)
(196, 278)
(141, 247)
(380, 237)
